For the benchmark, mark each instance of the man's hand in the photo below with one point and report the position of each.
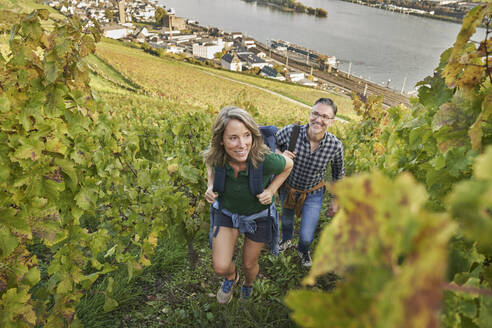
(332, 209)
(265, 197)
(289, 154)
(210, 195)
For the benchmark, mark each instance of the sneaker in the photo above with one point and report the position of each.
(224, 295)
(246, 292)
(305, 258)
(284, 245)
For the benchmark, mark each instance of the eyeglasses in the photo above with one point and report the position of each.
(317, 115)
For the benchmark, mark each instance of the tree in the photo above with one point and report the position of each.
(160, 13)
(320, 12)
(109, 14)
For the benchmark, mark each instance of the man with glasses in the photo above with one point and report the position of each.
(314, 149)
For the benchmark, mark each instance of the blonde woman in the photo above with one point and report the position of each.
(237, 144)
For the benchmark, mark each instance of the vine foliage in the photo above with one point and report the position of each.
(412, 241)
(84, 190)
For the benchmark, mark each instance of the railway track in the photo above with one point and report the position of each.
(342, 80)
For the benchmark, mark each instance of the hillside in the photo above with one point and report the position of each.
(194, 86)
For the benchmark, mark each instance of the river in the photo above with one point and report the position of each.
(375, 44)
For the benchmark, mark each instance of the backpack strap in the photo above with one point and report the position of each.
(268, 133)
(293, 138)
(255, 179)
(219, 179)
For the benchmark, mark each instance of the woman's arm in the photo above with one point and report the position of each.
(266, 196)
(210, 195)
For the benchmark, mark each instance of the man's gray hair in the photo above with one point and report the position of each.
(328, 102)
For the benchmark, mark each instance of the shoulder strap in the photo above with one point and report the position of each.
(293, 137)
(268, 133)
(219, 179)
(255, 179)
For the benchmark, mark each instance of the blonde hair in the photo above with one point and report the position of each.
(216, 154)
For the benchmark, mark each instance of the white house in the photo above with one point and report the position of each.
(171, 48)
(116, 32)
(307, 82)
(231, 62)
(208, 49)
(248, 43)
(250, 60)
(294, 76)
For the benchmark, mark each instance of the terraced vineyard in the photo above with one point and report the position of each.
(187, 84)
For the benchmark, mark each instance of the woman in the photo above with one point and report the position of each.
(237, 143)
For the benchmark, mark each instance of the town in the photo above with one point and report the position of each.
(158, 28)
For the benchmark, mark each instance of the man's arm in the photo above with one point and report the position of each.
(338, 165)
(282, 139)
(337, 172)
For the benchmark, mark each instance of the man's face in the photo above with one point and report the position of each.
(321, 118)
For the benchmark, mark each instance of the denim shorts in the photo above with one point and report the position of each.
(263, 228)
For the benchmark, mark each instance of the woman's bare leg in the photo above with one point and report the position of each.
(222, 252)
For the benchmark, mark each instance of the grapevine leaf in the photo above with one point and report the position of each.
(485, 318)
(4, 103)
(51, 71)
(32, 277)
(7, 242)
(476, 130)
(84, 198)
(483, 165)
(16, 308)
(471, 201)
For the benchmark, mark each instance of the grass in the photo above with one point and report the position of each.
(303, 94)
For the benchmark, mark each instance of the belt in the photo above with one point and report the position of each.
(293, 202)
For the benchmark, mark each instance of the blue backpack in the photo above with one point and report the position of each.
(255, 174)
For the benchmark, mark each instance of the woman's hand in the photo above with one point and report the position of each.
(210, 195)
(265, 197)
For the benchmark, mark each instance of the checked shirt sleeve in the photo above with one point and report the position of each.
(282, 138)
(337, 164)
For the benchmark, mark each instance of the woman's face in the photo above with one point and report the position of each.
(237, 141)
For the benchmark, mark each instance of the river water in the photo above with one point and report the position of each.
(373, 43)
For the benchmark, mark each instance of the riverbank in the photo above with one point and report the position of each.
(405, 10)
(297, 8)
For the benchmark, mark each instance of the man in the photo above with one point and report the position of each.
(314, 150)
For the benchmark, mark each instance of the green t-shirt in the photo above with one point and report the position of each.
(237, 198)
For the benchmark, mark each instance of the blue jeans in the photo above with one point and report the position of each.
(309, 219)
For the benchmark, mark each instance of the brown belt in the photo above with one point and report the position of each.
(291, 202)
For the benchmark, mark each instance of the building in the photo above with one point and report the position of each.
(231, 62)
(116, 32)
(208, 49)
(248, 43)
(294, 76)
(121, 9)
(250, 60)
(269, 72)
(176, 23)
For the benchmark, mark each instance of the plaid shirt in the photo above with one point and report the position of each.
(310, 168)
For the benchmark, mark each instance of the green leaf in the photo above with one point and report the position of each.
(32, 277)
(4, 103)
(7, 242)
(51, 71)
(109, 304)
(84, 198)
